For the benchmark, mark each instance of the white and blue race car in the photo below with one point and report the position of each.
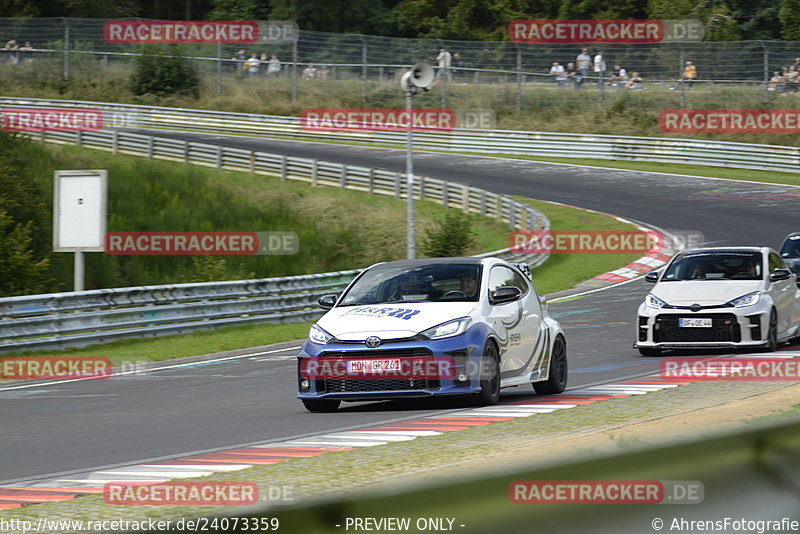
(432, 327)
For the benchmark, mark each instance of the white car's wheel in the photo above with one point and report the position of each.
(772, 333)
(490, 376)
(557, 379)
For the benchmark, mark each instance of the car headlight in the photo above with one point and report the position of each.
(448, 329)
(655, 302)
(319, 336)
(746, 300)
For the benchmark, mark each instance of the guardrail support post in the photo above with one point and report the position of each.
(220, 158)
(512, 217)
(150, 146)
(498, 208)
(186, 145)
(114, 142)
(465, 199)
(397, 184)
(284, 168)
(421, 181)
(371, 181)
(483, 203)
(445, 195)
(524, 219)
(79, 138)
(343, 177)
(314, 165)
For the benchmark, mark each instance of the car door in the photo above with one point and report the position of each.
(515, 323)
(782, 293)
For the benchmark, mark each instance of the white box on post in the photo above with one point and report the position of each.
(80, 215)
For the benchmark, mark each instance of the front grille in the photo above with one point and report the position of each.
(362, 385)
(350, 386)
(724, 327)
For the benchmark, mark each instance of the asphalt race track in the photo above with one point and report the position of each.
(56, 428)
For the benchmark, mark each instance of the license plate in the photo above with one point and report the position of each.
(377, 365)
(695, 322)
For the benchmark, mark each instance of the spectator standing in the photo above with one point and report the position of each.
(310, 72)
(599, 68)
(444, 59)
(27, 52)
(13, 56)
(797, 64)
(618, 77)
(560, 75)
(689, 74)
(273, 66)
(251, 65)
(239, 58)
(792, 79)
(323, 73)
(583, 62)
(572, 74)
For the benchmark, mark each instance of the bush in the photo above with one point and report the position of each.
(452, 236)
(160, 73)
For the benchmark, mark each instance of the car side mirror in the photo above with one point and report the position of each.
(780, 274)
(326, 302)
(505, 294)
(651, 277)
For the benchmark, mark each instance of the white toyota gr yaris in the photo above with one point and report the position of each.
(719, 298)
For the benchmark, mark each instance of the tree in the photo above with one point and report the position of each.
(452, 236)
(237, 10)
(789, 16)
(160, 73)
(461, 19)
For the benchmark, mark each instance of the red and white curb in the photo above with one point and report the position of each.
(92, 482)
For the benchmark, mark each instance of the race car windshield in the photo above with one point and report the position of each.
(715, 266)
(446, 282)
(791, 248)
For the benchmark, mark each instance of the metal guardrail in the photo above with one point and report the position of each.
(550, 144)
(82, 318)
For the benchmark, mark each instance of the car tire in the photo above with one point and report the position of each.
(321, 405)
(557, 375)
(772, 333)
(649, 353)
(490, 376)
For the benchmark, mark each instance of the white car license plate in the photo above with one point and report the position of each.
(377, 365)
(695, 322)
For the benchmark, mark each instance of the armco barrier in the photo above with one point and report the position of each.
(63, 320)
(662, 150)
(750, 475)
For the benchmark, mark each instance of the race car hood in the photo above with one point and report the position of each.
(704, 292)
(390, 321)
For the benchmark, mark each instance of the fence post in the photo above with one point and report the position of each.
(766, 74)
(465, 199)
(512, 217)
(445, 195)
(294, 71)
(363, 68)
(397, 185)
(66, 47)
(252, 160)
(343, 177)
(498, 208)
(219, 157)
(477, 77)
(219, 68)
(284, 168)
(314, 165)
(421, 182)
(483, 203)
(151, 147)
(519, 80)
(186, 145)
(79, 138)
(682, 58)
(114, 142)
(371, 181)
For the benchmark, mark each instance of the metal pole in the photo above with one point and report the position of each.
(766, 75)
(219, 69)
(519, 81)
(78, 275)
(294, 72)
(363, 69)
(682, 60)
(66, 48)
(410, 175)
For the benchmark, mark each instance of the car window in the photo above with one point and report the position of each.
(443, 282)
(791, 247)
(715, 265)
(775, 262)
(502, 276)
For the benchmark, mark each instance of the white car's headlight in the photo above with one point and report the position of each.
(448, 329)
(319, 336)
(655, 302)
(746, 300)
